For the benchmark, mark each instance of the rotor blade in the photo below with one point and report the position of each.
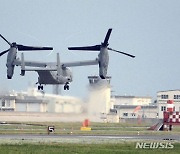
(122, 52)
(90, 48)
(107, 37)
(5, 39)
(28, 48)
(2, 53)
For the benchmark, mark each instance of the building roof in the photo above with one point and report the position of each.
(124, 96)
(30, 101)
(169, 90)
(134, 106)
(7, 97)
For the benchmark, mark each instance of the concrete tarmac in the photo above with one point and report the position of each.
(92, 137)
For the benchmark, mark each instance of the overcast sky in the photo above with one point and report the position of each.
(148, 29)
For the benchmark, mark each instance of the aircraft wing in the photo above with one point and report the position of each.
(30, 63)
(81, 63)
(51, 65)
(45, 64)
(21, 62)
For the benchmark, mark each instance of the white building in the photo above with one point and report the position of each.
(35, 101)
(132, 100)
(130, 111)
(30, 104)
(7, 103)
(134, 107)
(99, 100)
(163, 97)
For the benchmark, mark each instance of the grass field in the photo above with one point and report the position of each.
(80, 147)
(73, 148)
(74, 128)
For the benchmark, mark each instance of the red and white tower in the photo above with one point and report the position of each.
(170, 106)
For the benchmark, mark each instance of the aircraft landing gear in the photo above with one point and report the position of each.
(40, 87)
(66, 86)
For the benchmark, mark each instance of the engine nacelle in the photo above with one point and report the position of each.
(103, 71)
(10, 71)
(10, 60)
(103, 63)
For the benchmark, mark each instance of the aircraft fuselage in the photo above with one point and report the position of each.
(51, 77)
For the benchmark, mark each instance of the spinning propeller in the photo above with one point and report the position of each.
(21, 47)
(103, 45)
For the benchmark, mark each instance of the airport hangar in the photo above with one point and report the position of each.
(35, 101)
(115, 109)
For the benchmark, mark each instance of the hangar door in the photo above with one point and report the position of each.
(21, 107)
(33, 107)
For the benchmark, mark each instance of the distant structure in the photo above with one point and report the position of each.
(35, 101)
(170, 118)
(56, 89)
(131, 107)
(116, 108)
(131, 100)
(99, 101)
(163, 97)
(93, 80)
(100, 106)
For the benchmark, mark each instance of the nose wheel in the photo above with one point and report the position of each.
(66, 86)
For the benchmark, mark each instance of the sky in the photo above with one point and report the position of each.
(148, 29)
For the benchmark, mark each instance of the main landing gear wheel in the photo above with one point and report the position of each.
(40, 87)
(66, 86)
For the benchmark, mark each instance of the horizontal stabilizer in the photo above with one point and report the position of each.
(90, 48)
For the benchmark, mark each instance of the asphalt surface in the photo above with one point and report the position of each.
(94, 137)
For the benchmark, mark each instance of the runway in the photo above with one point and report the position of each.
(91, 137)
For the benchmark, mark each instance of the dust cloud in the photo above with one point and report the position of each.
(98, 103)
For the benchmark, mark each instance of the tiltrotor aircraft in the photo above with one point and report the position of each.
(49, 72)
(103, 57)
(54, 73)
